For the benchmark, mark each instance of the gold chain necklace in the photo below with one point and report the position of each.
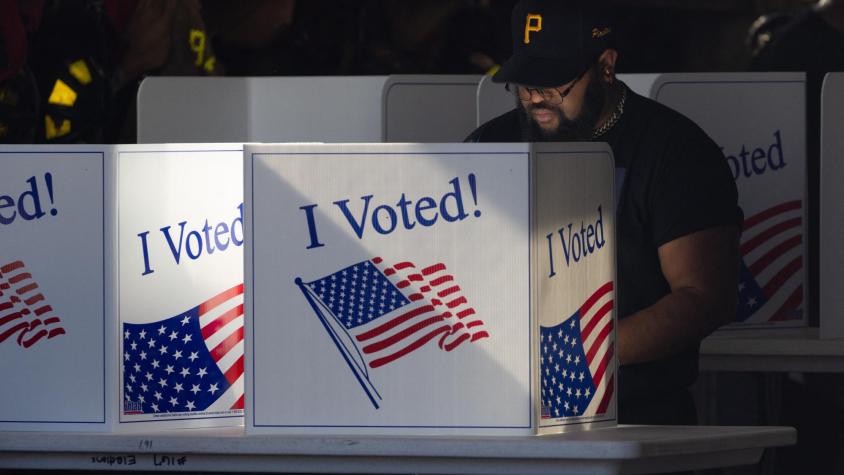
(619, 110)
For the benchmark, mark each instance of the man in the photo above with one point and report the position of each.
(677, 214)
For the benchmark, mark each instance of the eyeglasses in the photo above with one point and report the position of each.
(525, 93)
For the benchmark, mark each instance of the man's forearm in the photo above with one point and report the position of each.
(676, 322)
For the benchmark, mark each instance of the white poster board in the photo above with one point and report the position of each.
(493, 100)
(104, 249)
(260, 109)
(758, 119)
(403, 289)
(831, 207)
(180, 239)
(429, 108)
(53, 296)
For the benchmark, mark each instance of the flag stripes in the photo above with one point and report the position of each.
(24, 310)
(429, 313)
(771, 277)
(377, 314)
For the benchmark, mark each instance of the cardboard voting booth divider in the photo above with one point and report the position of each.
(429, 288)
(831, 207)
(758, 119)
(493, 100)
(260, 109)
(121, 287)
(429, 108)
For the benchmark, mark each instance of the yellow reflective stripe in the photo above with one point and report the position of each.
(51, 130)
(62, 94)
(80, 71)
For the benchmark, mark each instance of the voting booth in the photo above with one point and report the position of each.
(429, 108)
(260, 109)
(429, 288)
(831, 206)
(758, 120)
(121, 287)
(397, 108)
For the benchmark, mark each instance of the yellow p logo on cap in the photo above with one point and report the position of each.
(533, 23)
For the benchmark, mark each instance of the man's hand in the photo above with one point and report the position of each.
(702, 270)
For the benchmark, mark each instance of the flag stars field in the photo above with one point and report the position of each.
(190, 370)
(588, 380)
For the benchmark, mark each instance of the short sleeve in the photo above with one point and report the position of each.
(693, 188)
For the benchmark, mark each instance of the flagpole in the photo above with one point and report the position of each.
(359, 373)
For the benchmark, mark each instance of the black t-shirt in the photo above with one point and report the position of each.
(672, 180)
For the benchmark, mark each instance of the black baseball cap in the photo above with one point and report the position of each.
(554, 41)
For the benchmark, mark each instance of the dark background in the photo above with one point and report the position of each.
(123, 41)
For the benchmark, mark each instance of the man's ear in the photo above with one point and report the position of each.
(607, 62)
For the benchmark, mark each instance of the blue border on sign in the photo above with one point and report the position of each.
(102, 173)
(530, 424)
(117, 299)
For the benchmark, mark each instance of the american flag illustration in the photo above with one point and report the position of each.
(576, 360)
(24, 311)
(190, 362)
(770, 279)
(376, 314)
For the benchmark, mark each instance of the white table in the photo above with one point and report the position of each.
(771, 353)
(798, 350)
(625, 449)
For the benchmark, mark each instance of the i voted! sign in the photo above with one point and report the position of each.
(414, 278)
(180, 238)
(760, 124)
(121, 288)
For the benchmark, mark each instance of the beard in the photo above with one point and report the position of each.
(578, 129)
